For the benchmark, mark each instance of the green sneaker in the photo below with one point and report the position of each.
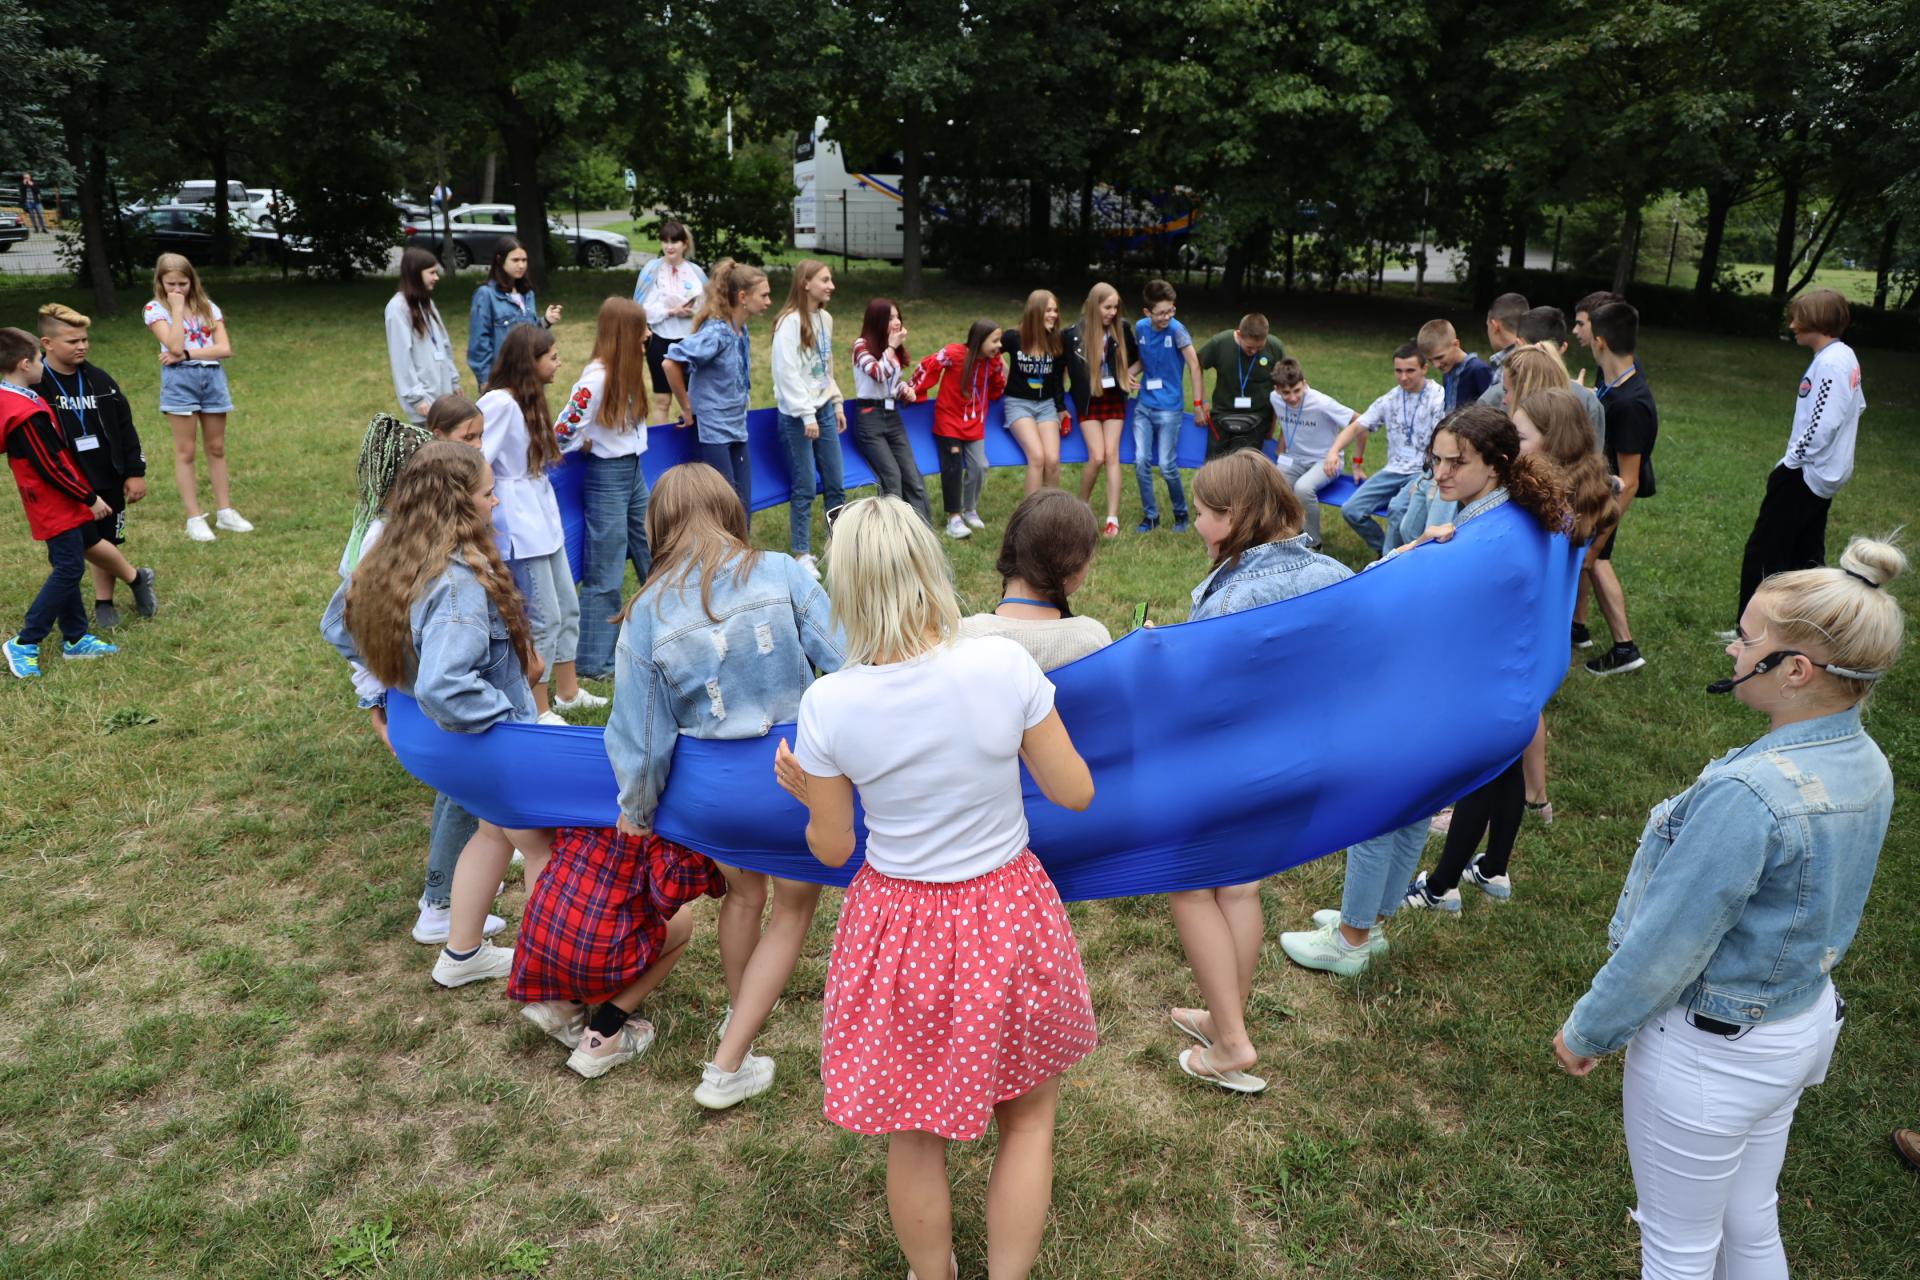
(1329, 918)
(1322, 949)
(88, 646)
(23, 659)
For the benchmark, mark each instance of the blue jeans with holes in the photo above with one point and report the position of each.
(1156, 440)
(616, 534)
(803, 456)
(1378, 873)
(1381, 486)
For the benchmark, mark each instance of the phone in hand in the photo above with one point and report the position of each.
(1140, 615)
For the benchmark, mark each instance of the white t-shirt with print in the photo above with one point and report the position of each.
(1310, 430)
(1409, 418)
(199, 332)
(933, 746)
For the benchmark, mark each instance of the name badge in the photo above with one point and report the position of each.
(1167, 341)
(1243, 402)
(1153, 384)
(86, 444)
(1108, 382)
(889, 402)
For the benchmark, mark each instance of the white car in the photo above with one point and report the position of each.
(478, 227)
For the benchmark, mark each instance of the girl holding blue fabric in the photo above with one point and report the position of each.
(1251, 522)
(710, 371)
(811, 416)
(504, 301)
(431, 610)
(1743, 897)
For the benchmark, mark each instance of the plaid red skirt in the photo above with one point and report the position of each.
(598, 916)
(1110, 406)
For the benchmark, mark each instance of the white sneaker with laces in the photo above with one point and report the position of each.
(957, 528)
(435, 923)
(807, 562)
(197, 529)
(1499, 888)
(564, 1020)
(580, 701)
(551, 717)
(488, 962)
(232, 521)
(973, 519)
(719, 1089)
(598, 1054)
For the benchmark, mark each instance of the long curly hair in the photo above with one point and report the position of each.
(1566, 436)
(1533, 483)
(695, 524)
(433, 516)
(516, 371)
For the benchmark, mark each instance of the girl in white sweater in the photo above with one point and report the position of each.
(811, 415)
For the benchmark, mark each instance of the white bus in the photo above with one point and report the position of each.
(836, 211)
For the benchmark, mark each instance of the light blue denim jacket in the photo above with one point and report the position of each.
(492, 314)
(1747, 886)
(1266, 573)
(466, 676)
(678, 671)
(718, 360)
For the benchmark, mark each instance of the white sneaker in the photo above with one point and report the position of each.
(957, 528)
(973, 519)
(719, 1089)
(720, 1029)
(232, 521)
(488, 962)
(564, 1020)
(197, 529)
(435, 923)
(581, 701)
(551, 717)
(598, 1054)
(1329, 918)
(811, 565)
(1323, 949)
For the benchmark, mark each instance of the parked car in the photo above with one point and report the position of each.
(12, 231)
(478, 227)
(187, 229)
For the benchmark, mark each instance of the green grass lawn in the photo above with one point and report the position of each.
(221, 1055)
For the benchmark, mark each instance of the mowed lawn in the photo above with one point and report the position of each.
(221, 1055)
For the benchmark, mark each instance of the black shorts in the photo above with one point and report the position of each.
(656, 360)
(112, 527)
(1604, 550)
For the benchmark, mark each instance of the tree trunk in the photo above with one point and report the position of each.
(1629, 246)
(1039, 220)
(1816, 250)
(222, 209)
(486, 180)
(529, 203)
(1786, 233)
(911, 284)
(1883, 269)
(1719, 205)
(1290, 266)
(1517, 242)
(89, 164)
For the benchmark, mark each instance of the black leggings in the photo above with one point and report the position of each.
(1494, 811)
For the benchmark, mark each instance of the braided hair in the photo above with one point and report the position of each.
(388, 445)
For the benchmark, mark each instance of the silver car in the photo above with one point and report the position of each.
(478, 227)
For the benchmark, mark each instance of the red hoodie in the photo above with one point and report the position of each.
(56, 494)
(960, 412)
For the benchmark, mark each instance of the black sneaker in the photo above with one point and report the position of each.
(143, 597)
(105, 616)
(1618, 660)
(1582, 638)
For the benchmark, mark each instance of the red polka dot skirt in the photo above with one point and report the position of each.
(945, 999)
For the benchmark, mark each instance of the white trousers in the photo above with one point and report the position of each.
(1707, 1120)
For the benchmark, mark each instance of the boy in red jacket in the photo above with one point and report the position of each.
(61, 510)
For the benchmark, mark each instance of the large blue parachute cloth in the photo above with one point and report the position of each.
(1212, 763)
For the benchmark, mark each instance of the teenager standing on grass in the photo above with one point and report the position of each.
(1102, 359)
(1743, 897)
(1790, 531)
(968, 377)
(710, 371)
(418, 349)
(955, 994)
(1633, 427)
(1503, 336)
(520, 445)
(1035, 409)
(193, 387)
(669, 287)
(504, 301)
(880, 386)
(96, 419)
(605, 418)
(811, 416)
(1166, 359)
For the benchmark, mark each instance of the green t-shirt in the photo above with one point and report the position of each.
(1234, 369)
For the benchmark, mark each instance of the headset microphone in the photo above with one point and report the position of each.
(1760, 668)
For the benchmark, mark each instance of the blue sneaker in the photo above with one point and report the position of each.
(23, 659)
(1146, 526)
(1179, 522)
(1420, 900)
(88, 646)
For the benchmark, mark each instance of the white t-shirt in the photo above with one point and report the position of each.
(933, 745)
(579, 421)
(1826, 418)
(1310, 430)
(199, 332)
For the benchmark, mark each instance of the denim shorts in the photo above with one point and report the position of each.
(1013, 408)
(194, 388)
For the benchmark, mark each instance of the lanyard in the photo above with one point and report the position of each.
(1038, 604)
(1406, 414)
(1601, 393)
(1246, 370)
(78, 402)
(1291, 420)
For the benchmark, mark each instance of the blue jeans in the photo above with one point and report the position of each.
(616, 518)
(34, 216)
(59, 601)
(1156, 438)
(1424, 509)
(730, 459)
(1379, 487)
(803, 455)
(452, 828)
(1378, 873)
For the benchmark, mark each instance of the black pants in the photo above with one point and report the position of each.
(882, 439)
(59, 602)
(1494, 811)
(1789, 533)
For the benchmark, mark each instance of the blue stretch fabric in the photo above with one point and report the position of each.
(671, 446)
(1206, 772)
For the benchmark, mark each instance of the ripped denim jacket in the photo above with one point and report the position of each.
(1747, 887)
(734, 675)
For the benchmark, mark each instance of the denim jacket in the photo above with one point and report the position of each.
(718, 364)
(1747, 886)
(1266, 573)
(678, 671)
(493, 313)
(466, 676)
